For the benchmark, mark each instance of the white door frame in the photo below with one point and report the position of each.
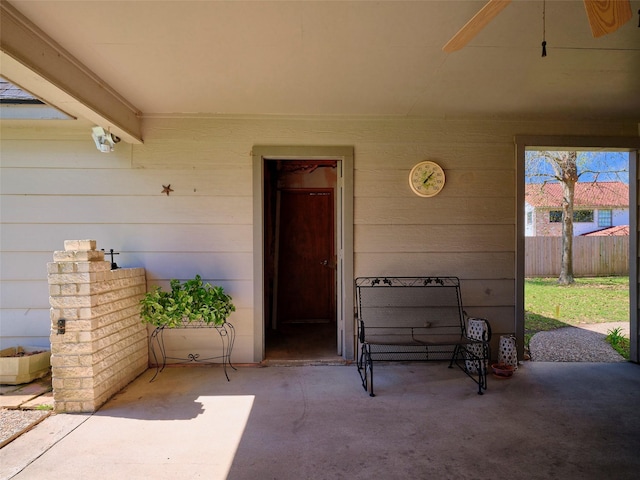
(629, 144)
(344, 238)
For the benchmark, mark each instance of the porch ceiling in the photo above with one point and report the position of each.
(346, 58)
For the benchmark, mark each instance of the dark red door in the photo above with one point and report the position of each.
(306, 262)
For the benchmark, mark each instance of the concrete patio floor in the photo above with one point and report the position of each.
(551, 420)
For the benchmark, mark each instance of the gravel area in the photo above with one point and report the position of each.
(15, 422)
(574, 344)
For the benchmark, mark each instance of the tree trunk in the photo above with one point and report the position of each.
(569, 179)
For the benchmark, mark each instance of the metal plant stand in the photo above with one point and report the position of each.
(227, 336)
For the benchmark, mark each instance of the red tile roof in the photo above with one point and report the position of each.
(587, 194)
(609, 232)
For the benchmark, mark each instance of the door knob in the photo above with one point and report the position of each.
(327, 263)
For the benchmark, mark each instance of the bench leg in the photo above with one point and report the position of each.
(365, 369)
(461, 355)
(482, 377)
(484, 365)
(456, 352)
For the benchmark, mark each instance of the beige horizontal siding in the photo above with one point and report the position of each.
(131, 237)
(56, 186)
(391, 183)
(433, 211)
(464, 265)
(127, 208)
(434, 238)
(226, 180)
(64, 151)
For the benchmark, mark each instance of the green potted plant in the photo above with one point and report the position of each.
(187, 302)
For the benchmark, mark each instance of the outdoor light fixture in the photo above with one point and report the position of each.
(104, 139)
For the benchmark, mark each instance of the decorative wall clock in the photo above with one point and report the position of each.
(426, 179)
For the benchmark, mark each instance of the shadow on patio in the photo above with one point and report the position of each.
(551, 420)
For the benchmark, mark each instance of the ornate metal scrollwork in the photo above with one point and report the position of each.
(227, 336)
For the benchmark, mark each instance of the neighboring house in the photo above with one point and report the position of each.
(597, 207)
(619, 231)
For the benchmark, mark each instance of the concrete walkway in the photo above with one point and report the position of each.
(550, 420)
(582, 343)
(604, 328)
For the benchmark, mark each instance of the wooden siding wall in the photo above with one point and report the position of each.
(57, 186)
(592, 256)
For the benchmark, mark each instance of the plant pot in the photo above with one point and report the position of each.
(23, 364)
(502, 370)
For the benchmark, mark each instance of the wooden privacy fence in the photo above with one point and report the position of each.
(592, 256)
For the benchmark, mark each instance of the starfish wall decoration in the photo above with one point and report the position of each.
(167, 189)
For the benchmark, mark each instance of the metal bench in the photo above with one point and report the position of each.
(418, 319)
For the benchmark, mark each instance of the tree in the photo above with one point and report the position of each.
(567, 167)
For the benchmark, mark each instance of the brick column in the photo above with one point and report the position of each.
(104, 346)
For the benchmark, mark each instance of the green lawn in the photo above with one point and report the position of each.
(589, 300)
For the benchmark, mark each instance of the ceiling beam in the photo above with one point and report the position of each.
(33, 61)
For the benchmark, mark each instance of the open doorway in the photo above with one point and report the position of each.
(300, 263)
(577, 255)
(627, 144)
(263, 296)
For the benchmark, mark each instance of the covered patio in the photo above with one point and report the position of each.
(203, 96)
(551, 420)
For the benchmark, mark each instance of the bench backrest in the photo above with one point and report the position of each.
(432, 304)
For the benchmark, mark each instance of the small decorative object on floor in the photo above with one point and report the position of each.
(479, 329)
(508, 353)
(501, 370)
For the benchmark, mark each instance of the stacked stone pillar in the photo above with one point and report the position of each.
(104, 345)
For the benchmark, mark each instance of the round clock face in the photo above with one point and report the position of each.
(426, 179)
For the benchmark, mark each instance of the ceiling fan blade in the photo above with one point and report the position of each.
(606, 16)
(475, 25)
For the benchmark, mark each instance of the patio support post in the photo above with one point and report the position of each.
(98, 342)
